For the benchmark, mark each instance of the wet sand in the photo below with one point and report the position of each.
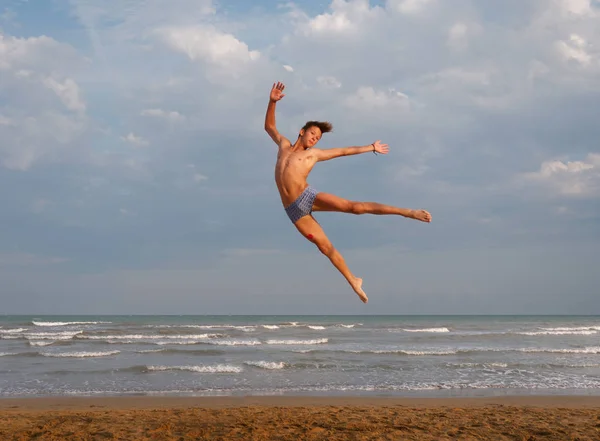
(527, 418)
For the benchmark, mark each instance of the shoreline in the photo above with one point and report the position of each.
(144, 402)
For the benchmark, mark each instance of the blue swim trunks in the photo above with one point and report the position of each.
(302, 206)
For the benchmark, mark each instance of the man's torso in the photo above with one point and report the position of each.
(291, 171)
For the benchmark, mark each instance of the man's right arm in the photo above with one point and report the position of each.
(270, 125)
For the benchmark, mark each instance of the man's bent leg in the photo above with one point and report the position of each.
(311, 229)
(331, 202)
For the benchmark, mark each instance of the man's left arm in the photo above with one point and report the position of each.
(327, 154)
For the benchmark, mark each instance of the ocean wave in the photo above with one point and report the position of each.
(80, 354)
(574, 328)
(220, 368)
(586, 350)
(41, 343)
(149, 337)
(316, 327)
(298, 342)
(559, 332)
(12, 331)
(244, 328)
(63, 335)
(233, 342)
(181, 351)
(478, 365)
(426, 330)
(271, 365)
(38, 323)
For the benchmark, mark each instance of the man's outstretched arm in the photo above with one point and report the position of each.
(377, 147)
(270, 126)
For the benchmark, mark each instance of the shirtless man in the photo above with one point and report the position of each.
(295, 162)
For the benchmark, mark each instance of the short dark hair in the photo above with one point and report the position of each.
(324, 126)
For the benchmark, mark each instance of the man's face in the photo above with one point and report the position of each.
(311, 136)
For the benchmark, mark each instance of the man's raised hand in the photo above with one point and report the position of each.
(277, 91)
(380, 148)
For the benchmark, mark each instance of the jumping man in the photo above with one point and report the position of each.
(295, 162)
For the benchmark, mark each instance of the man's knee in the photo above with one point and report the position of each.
(325, 246)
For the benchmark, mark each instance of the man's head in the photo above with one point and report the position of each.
(312, 131)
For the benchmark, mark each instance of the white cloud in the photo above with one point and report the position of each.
(68, 92)
(457, 36)
(329, 82)
(171, 116)
(135, 140)
(366, 99)
(4, 121)
(35, 53)
(574, 49)
(410, 6)
(126, 212)
(32, 138)
(209, 44)
(576, 7)
(34, 125)
(570, 178)
(288, 68)
(345, 17)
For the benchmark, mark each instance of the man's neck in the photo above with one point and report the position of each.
(299, 146)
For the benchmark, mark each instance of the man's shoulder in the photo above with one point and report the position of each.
(284, 142)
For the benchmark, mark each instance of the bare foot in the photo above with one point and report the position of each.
(357, 287)
(421, 215)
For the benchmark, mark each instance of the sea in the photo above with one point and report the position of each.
(384, 355)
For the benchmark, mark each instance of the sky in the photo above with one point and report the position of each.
(136, 176)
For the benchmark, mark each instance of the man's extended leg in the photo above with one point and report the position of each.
(331, 202)
(310, 229)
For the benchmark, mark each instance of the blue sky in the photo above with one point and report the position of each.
(136, 177)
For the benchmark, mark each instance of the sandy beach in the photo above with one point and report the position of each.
(526, 418)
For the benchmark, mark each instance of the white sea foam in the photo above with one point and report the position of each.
(427, 330)
(150, 337)
(575, 328)
(64, 335)
(479, 365)
(37, 323)
(220, 368)
(270, 326)
(587, 350)
(563, 332)
(234, 342)
(40, 343)
(298, 342)
(80, 354)
(316, 327)
(12, 331)
(177, 342)
(272, 365)
(244, 328)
